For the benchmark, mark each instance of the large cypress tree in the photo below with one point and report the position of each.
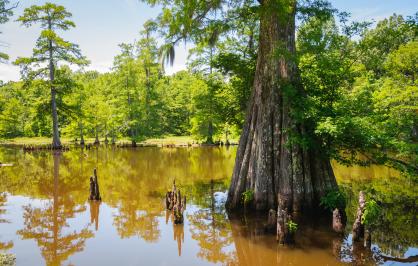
(278, 157)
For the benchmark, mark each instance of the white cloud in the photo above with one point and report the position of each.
(9, 72)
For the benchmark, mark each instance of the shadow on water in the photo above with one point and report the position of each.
(44, 200)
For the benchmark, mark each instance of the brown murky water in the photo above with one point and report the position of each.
(45, 218)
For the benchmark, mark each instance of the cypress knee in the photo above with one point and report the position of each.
(97, 195)
(271, 220)
(94, 187)
(358, 227)
(337, 221)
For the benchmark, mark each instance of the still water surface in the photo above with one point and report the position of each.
(45, 218)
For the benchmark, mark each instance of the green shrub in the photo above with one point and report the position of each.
(333, 199)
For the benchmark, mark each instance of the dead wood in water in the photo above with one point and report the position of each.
(94, 187)
(337, 221)
(271, 220)
(358, 227)
(283, 235)
(174, 202)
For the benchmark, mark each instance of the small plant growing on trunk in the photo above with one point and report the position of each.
(292, 227)
(247, 197)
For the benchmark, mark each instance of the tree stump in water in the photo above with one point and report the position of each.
(94, 187)
(283, 235)
(358, 227)
(271, 220)
(337, 221)
(173, 201)
(367, 238)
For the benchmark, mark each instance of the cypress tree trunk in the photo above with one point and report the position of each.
(269, 161)
(56, 142)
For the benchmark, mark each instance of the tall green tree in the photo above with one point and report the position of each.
(386, 37)
(50, 50)
(126, 70)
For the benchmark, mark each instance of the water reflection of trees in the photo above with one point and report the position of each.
(47, 224)
(3, 201)
(132, 220)
(396, 229)
(132, 181)
(209, 225)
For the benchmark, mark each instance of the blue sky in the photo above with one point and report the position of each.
(103, 24)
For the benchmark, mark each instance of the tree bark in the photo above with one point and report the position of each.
(269, 160)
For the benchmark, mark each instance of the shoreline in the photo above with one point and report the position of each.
(42, 143)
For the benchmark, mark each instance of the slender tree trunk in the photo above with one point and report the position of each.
(209, 140)
(269, 160)
(97, 141)
(81, 134)
(56, 142)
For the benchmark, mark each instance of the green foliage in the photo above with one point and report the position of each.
(377, 43)
(361, 95)
(371, 212)
(247, 196)
(292, 227)
(333, 199)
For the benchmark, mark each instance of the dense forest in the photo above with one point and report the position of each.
(359, 78)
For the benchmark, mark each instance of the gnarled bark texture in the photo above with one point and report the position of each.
(269, 161)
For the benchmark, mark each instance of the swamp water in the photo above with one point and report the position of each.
(45, 218)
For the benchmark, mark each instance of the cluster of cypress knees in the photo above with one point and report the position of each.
(174, 202)
(280, 219)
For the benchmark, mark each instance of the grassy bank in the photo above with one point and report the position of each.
(163, 141)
